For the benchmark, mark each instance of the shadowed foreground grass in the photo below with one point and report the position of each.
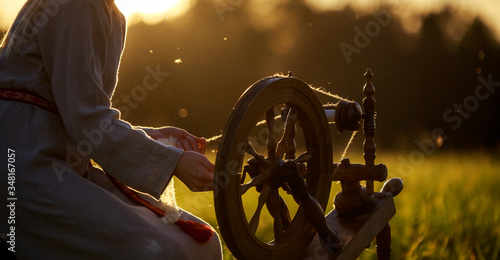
(448, 209)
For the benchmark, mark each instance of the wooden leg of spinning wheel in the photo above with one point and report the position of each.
(384, 243)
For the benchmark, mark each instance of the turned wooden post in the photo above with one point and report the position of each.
(369, 126)
(384, 243)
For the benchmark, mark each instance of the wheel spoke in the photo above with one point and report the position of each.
(287, 142)
(259, 158)
(301, 166)
(243, 176)
(271, 143)
(278, 228)
(304, 157)
(259, 180)
(279, 211)
(254, 221)
(264, 171)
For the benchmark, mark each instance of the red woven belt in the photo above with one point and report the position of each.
(27, 97)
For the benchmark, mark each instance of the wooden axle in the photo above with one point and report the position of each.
(358, 172)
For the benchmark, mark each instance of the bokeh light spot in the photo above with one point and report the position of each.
(183, 113)
(481, 55)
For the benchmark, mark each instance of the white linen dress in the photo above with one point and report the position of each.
(66, 209)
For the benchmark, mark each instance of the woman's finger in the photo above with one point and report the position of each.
(179, 145)
(208, 186)
(186, 145)
(207, 164)
(193, 144)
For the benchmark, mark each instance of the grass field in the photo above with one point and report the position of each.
(448, 209)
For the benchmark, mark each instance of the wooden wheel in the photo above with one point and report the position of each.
(304, 114)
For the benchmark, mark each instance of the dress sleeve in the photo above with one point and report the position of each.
(74, 49)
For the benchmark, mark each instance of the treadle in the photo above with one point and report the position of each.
(355, 234)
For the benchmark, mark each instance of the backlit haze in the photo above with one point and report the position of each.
(154, 11)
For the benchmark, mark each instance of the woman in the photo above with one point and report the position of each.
(58, 71)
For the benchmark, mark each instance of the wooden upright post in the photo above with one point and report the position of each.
(369, 126)
(384, 243)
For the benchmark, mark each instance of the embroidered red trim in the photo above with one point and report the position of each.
(135, 197)
(27, 97)
(200, 232)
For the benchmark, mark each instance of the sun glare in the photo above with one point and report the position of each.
(152, 11)
(148, 11)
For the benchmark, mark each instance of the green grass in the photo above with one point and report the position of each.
(448, 209)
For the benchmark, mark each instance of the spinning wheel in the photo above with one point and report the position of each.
(273, 170)
(302, 109)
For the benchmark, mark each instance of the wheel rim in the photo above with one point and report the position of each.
(238, 232)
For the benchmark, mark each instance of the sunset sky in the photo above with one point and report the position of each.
(152, 11)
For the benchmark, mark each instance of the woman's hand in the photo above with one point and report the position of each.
(184, 140)
(196, 171)
(193, 168)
